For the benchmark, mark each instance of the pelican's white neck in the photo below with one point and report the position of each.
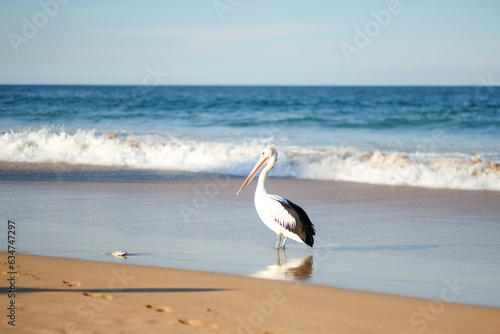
(261, 185)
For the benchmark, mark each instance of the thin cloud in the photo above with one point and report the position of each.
(220, 36)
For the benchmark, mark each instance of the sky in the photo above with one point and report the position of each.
(250, 42)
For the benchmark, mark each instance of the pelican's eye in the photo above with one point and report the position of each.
(263, 153)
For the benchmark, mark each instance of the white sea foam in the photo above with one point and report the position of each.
(163, 152)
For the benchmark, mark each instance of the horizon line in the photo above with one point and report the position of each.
(244, 85)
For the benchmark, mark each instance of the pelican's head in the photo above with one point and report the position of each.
(269, 154)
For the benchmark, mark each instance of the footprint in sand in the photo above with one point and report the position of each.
(20, 272)
(160, 308)
(98, 295)
(197, 323)
(70, 283)
(28, 274)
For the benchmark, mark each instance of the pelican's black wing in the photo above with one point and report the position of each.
(302, 225)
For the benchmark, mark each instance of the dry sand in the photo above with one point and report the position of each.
(55, 295)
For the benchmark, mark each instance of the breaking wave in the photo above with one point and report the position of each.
(170, 153)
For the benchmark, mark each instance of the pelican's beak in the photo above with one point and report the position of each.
(258, 166)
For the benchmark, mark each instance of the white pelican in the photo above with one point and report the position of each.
(279, 214)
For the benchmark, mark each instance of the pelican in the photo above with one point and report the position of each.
(279, 214)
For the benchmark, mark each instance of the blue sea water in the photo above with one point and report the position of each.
(438, 137)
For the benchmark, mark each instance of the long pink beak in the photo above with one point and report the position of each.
(258, 166)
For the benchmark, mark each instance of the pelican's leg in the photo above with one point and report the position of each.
(278, 241)
(284, 242)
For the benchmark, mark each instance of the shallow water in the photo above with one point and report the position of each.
(398, 240)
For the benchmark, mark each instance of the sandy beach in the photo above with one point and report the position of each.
(388, 239)
(386, 259)
(55, 295)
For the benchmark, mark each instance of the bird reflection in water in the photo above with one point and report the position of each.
(293, 269)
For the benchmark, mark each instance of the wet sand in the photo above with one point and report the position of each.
(407, 241)
(389, 239)
(55, 295)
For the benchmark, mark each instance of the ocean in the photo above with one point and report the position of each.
(433, 137)
(401, 183)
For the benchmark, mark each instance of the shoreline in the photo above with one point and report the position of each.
(58, 294)
(66, 172)
(390, 239)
